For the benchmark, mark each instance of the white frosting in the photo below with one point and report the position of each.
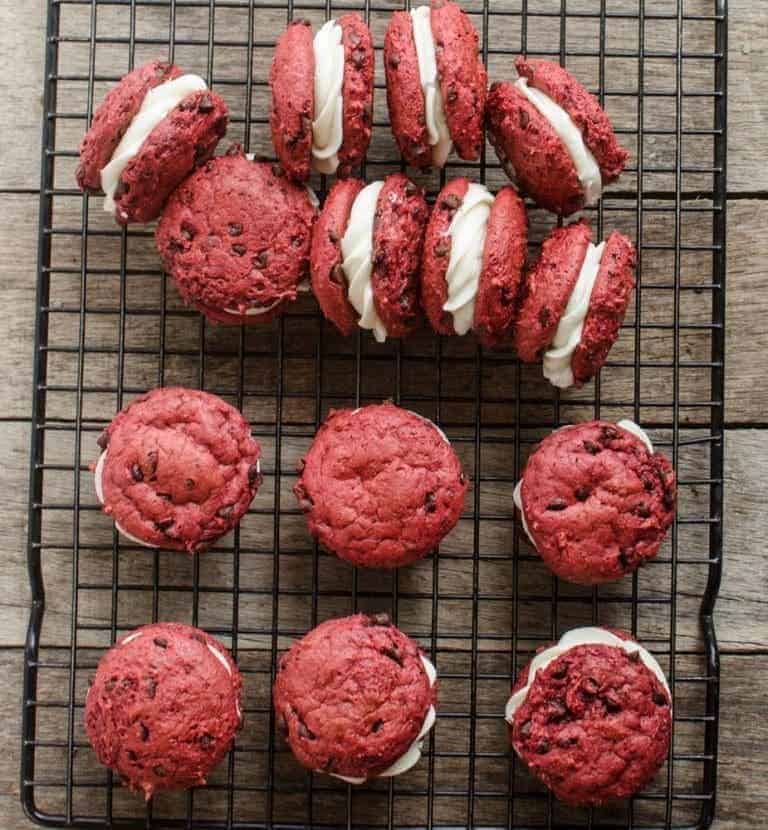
(557, 359)
(357, 251)
(328, 126)
(638, 432)
(467, 231)
(220, 657)
(437, 127)
(587, 168)
(590, 635)
(411, 757)
(517, 497)
(254, 311)
(157, 103)
(98, 472)
(130, 637)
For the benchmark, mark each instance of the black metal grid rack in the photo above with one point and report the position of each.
(109, 326)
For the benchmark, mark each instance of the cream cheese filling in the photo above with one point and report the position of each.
(589, 635)
(328, 126)
(587, 168)
(357, 262)
(467, 232)
(437, 126)
(557, 359)
(412, 755)
(157, 103)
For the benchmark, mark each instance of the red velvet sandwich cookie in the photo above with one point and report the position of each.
(436, 84)
(178, 469)
(577, 295)
(474, 255)
(552, 137)
(148, 134)
(322, 96)
(596, 501)
(355, 699)
(380, 486)
(164, 707)
(366, 255)
(591, 716)
(236, 236)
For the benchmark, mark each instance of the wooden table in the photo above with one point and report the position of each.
(742, 610)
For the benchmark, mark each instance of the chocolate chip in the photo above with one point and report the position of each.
(376, 725)
(333, 237)
(151, 688)
(381, 618)
(393, 654)
(302, 21)
(306, 125)
(188, 232)
(411, 188)
(164, 524)
(143, 731)
(358, 58)
(198, 637)
(206, 740)
(225, 512)
(443, 247)
(136, 473)
(205, 104)
(544, 317)
(165, 496)
(160, 642)
(128, 683)
(453, 96)
(103, 439)
(189, 484)
(450, 202)
(523, 119)
(590, 686)
(152, 463)
(131, 755)
(394, 61)
(634, 656)
(254, 475)
(430, 503)
(642, 510)
(659, 698)
(297, 241)
(608, 433)
(565, 742)
(337, 274)
(557, 710)
(581, 493)
(234, 229)
(542, 748)
(159, 770)
(611, 701)
(557, 504)
(591, 447)
(277, 170)
(305, 732)
(110, 684)
(239, 250)
(560, 671)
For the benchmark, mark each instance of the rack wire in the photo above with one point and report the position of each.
(109, 326)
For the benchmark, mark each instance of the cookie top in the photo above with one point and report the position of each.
(164, 707)
(594, 721)
(329, 283)
(531, 152)
(398, 238)
(354, 698)
(359, 63)
(185, 139)
(548, 287)
(462, 74)
(596, 500)
(236, 238)
(112, 118)
(292, 81)
(380, 486)
(608, 303)
(583, 108)
(178, 470)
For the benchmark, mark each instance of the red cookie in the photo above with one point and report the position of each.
(178, 470)
(294, 105)
(532, 151)
(596, 502)
(584, 110)
(500, 257)
(380, 486)
(460, 74)
(354, 698)
(164, 707)
(236, 238)
(596, 720)
(182, 140)
(548, 287)
(607, 306)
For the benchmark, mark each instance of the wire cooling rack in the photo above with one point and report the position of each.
(109, 326)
